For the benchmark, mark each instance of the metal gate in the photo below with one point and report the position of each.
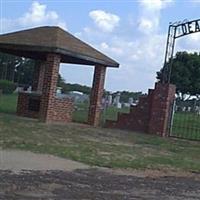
(186, 119)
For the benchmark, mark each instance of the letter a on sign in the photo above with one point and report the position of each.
(197, 26)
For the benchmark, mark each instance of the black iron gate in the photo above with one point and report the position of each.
(186, 119)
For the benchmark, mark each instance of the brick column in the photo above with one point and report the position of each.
(161, 109)
(49, 86)
(96, 95)
(38, 76)
(41, 76)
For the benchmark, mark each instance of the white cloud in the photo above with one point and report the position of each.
(195, 37)
(104, 45)
(37, 15)
(140, 56)
(150, 14)
(105, 21)
(155, 4)
(139, 60)
(188, 43)
(148, 25)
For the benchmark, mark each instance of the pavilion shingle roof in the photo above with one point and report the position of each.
(37, 42)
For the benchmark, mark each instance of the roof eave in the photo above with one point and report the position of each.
(63, 52)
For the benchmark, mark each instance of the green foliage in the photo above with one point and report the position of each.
(68, 87)
(24, 72)
(7, 87)
(76, 87)
(185, 73)
(16, 69)
(8, 65)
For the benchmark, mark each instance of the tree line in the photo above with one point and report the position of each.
(185, 75)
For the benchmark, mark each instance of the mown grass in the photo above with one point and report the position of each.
(186, 125)
(8, 103)
(98, 146)
(81, 113)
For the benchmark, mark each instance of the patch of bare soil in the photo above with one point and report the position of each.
(94, 184)
(16, 161)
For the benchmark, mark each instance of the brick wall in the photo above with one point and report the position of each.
(151, 115)
(23, 105)
(61, 111)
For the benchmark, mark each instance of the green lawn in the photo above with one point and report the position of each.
(186, 125)
(8, 103)
(98, 146)
(80, 114)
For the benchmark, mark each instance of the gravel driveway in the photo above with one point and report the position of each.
(87, 183)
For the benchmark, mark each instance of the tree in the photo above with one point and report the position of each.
(185, 74)
(8, 63)
(16, 69)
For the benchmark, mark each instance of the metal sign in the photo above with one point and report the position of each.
(176, 30)
(187, 28)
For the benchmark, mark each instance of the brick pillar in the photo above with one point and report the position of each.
(161, 109)
(38, 76)
(41, 76)
(49, 86)
(96, 95)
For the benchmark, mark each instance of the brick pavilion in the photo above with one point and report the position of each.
(50, 46)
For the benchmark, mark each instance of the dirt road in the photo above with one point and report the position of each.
(38, 183)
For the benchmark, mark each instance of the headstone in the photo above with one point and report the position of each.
(130, 100)
(116, 100)
(59, 90)
(109, 100)
(29, 89)
(119, 105)
(126, 104)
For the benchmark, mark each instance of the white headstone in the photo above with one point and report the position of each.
(119, 105)
(130, 100)
(109, 99)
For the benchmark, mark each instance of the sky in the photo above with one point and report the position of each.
(131, 32)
